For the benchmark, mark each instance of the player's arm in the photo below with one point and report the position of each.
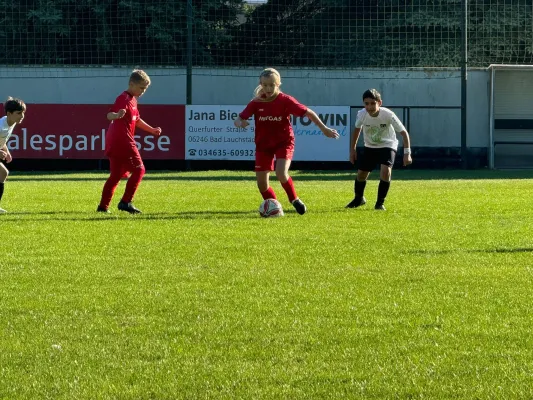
(331, 133)
(353, 144)
(111, 116)
(5, 154)
(242, 120)
(406, 148)
(147, 128)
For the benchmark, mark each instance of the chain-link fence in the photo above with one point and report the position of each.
(329, 34)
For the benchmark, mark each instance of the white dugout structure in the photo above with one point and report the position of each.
(511, 116)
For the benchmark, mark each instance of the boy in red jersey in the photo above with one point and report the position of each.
(121, 149)
(274, 137)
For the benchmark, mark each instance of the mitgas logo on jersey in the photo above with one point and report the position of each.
(271, 118)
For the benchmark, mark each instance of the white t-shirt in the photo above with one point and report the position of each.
(5, 131)
(379, 131)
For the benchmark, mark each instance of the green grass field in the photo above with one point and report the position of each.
(200, 298)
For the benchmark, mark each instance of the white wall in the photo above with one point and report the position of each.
(427, 87)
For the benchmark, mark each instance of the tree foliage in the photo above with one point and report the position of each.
(291, 33)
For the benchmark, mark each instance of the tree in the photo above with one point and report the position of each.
(291, 33)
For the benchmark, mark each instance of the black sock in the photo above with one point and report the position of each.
(359, 188)
(383, 189)
(1, 189)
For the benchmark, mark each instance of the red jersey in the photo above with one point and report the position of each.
(272, 120)
(119, 140)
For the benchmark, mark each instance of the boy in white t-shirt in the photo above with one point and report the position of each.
(14, 109)
(380, 126)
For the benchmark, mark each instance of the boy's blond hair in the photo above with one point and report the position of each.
(139, 76)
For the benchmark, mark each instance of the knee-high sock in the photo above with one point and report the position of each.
(359, 188)
(383, 189)
(289, 189)
(268, 194)
(1, 189)
(133, 183)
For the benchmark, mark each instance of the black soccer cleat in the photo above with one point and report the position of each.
(103, 210)
(356, 202)
(380, 206)
(128, 207)
(299, 206)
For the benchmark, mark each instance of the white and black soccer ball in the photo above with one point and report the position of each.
(270, 208)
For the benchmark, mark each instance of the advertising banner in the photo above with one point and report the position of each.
(312, 145)
(211, 135)
(77, 131)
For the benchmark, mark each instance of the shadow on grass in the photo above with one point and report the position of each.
(15, 213)
(42, 216)
(497, 250)
(24, 216)
(399, 174)
(408, 174)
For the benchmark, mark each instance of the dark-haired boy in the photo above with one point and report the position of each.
(380, 126)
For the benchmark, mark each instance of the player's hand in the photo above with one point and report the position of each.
(331, 133)
(156, 131)
(241, 123)
(121, 113)
(353, 156)
(407, 160)
(8, 158)
(3, 155)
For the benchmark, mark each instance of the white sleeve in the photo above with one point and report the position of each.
(397, 124)
(360, 119)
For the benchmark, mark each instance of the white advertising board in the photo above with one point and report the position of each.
(312, 145)
(210, 135)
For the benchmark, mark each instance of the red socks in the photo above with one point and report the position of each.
(268, 194)
(289, 189)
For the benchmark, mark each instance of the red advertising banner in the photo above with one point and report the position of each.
(77, 131)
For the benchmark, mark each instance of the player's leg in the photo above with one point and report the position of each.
(385, 173)
(282, 173)
(283, 162)
(264, 163)
(366, 165)
(117, 170)
(137, 170)
(3, 176)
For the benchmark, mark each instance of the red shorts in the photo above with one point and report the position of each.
(264, 160)
(123, 166)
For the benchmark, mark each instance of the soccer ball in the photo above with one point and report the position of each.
(270, 208)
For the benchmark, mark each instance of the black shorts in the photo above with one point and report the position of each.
(375, 156)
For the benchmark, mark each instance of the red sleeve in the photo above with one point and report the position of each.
(120, 103)
(295, 108)
(249, 110)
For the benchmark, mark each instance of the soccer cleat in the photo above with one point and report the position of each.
(356, 202)
(299, 206)
(103, 210)
(2, 211)
(128, 207)
(379, 206)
